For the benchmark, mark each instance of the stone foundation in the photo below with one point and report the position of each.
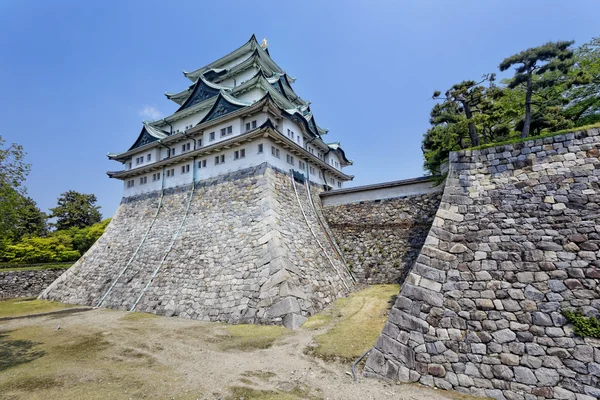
(381, 239)
(244, 254)
(26, 283)
(515, 241)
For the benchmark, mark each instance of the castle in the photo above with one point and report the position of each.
(214, 225)
(221, 218)
(239, 112)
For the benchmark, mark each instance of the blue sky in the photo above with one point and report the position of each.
(78, 77)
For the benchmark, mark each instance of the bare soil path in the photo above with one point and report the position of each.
(107, 354)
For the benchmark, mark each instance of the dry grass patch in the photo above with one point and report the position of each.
(356, 323)
(28, 305)
(80, 363)
(300, 392)
(137, 316)
(247, 337)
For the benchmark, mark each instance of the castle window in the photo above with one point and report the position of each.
(149, 157)
(199, 143)
(247, 126)
(339, 184)
(274, 151)
(254, 124)
(289, 159)
(211, 136)
(170, 172)
(156, 176)
(320, 175)
(143, 180)
(172, 151)
(227, 131)
(185, 169)
(220, 159)
(202, 164)
(290, 134)
(260, 148)
(130, 183)
(185, 147)
(301, 165)
(239, 154)
(129, 165)
(337, 165)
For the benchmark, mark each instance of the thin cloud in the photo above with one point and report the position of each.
(150, 112)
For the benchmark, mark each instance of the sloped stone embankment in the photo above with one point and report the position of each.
(516, 240)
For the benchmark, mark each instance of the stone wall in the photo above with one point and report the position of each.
(516, 240)
(244, 253)
(26, 283)
(380, 239)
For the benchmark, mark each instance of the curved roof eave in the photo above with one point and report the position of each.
(250, 45)
(335, 146)
(210, 90)
(224, 104)
(147, 135)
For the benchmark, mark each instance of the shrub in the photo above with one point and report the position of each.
(59, 246)
(582, 325)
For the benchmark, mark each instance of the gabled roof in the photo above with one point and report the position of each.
(148, 134)
(282, 87)
(223, 105)
(251, 46)
(202, 90)
(260, 80)
(180, 97)
(338, 149)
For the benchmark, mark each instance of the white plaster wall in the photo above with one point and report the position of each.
(189, 120)
(138, 188)
(238, 79)
(411, 189)
(332, 158)
(252, 158)
(252, 95)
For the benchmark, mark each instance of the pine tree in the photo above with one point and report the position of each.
(536, 62)
(76, 209)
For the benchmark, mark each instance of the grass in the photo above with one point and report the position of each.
(542, 136)
(137, 316)
(248, 393)
(356, 322)
(36, 267)
(76, 362)
(247, 337)
(28, 305)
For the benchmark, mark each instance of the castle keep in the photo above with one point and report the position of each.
(221, 218)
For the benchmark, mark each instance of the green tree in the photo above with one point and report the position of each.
(538, 62)
(76, 210)
(584, 98)
(469, 96)
(84, 238)
(30, 219)
(13, 171)
(448, 126)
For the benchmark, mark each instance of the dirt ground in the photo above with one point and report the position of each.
(107, 354)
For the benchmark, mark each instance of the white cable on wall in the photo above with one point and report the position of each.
(315, 236)
(327, 234)
(155, 273)
(136, 250)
